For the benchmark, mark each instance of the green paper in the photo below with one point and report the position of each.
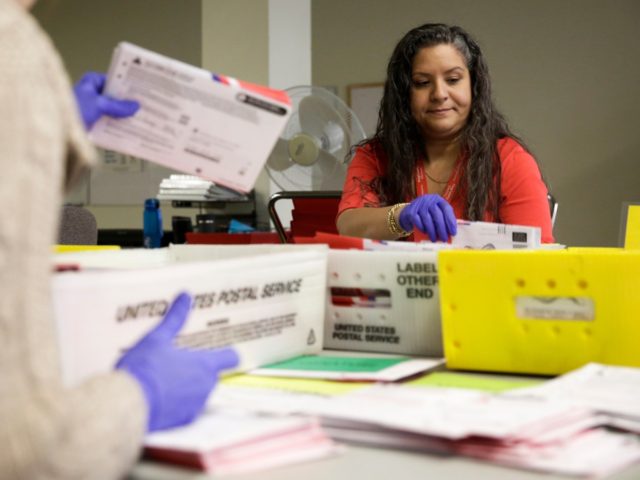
(472, 382)
(321, 363)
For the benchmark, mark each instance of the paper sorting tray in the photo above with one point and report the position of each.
(267, 302)
(540, 312)
(383, 301)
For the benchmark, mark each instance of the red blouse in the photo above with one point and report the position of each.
(523, 194)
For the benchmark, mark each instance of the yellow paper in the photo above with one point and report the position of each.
(487, 383)
(319, 387)
(82, 248)
(632, 232)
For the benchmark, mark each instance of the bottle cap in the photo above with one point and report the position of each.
(151, 203)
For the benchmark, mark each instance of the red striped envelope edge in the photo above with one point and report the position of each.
(277, 95)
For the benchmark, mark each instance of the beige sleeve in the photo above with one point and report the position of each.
(91, 432)
(48, 432)
(80, 153)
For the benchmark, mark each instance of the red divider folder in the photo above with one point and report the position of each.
(332, 239)
(310, 215)
(232, 238)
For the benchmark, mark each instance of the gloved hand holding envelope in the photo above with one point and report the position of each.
(191, 120)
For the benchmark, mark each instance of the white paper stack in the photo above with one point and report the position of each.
(191, 188)
(232, 442)
(612, 391)
(593, 453)
(549, 435)
(453, 414)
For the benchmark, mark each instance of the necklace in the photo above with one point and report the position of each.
(434, 180)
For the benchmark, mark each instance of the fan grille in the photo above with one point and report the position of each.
(326, 122)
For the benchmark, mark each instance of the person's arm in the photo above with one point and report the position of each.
(367, 222)
(46, 431)
(93, 431)
(361, 213)
(430, 214)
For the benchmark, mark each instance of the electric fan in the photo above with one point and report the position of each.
(312, 152)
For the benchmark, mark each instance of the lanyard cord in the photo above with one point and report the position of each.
(449, 191)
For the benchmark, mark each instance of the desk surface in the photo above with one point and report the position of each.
(374, 464)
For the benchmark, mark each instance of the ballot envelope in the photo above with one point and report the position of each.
(210, 125)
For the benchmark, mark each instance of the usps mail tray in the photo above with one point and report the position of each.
(540, 312)
(270, 306)
(383, 301)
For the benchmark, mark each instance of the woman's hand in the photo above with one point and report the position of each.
(431, 214)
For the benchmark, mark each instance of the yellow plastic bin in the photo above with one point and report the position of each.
(540, 312)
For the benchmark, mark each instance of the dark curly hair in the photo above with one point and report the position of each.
(403, 142)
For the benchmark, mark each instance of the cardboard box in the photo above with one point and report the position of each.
(269, 306)
(540, 312)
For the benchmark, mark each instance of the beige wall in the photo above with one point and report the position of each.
(86, 31)
(235, 42)
(565, 74)
(235, 38)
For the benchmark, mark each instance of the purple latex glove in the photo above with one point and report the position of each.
(93, 104)
(431, 214)
(176, 382)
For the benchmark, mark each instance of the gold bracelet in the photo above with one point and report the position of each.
(392, 224)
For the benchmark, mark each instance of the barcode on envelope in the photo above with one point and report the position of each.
(520, 237)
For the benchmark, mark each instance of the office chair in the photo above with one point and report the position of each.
(78, 226)
(312, 212)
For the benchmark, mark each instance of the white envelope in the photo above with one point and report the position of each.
(191, 120)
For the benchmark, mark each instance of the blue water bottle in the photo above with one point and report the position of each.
(152, 223)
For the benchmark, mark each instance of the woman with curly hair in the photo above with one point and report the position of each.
(441, 150)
